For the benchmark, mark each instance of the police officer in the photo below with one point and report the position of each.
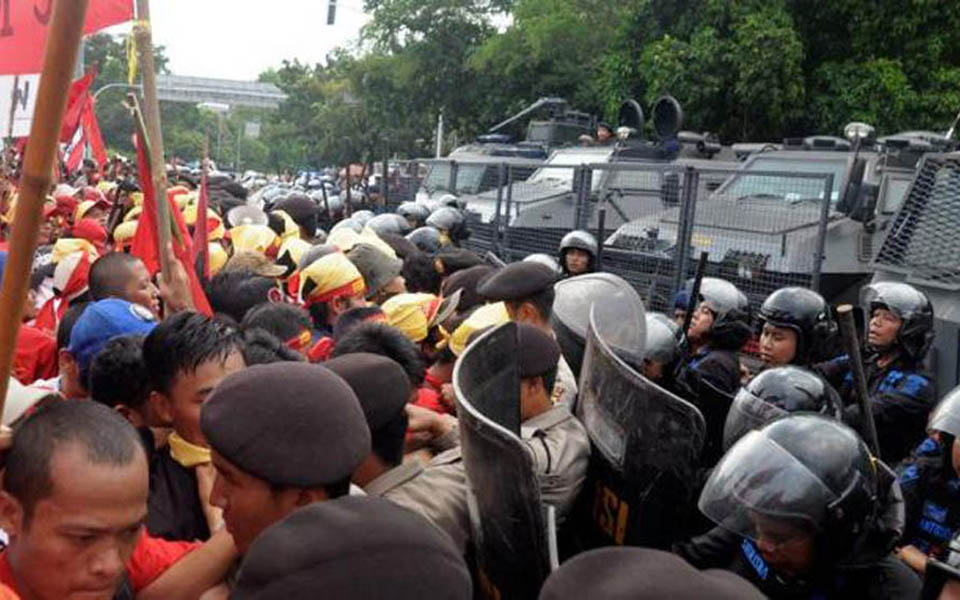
(662, 350)
(711, 376)
(556, 440)
(277, 444)
(795, 328)
(899, 333)
(804, 520)
(775, 393)
(931, 487)
(578, 253)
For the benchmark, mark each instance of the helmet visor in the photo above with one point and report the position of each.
(758, 486)
(747, 413)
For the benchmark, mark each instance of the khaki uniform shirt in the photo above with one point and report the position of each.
(561, 453)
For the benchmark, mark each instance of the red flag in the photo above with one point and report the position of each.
(76, 101)
(201, 229)
(91, 131)
(74, 151)
(145, 241)
(24, 28)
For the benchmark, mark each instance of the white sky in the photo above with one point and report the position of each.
(239, 39)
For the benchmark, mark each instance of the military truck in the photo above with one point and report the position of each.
(769, 222)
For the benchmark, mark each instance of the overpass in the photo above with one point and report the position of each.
(195, 90)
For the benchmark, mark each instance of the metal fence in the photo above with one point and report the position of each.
(763, 230)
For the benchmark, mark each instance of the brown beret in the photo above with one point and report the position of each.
(516, 281)
(640, 573)
(467, 280)
(538, 351)
(450, 260)
(380, 383)
(300, 208)
(287, 423)
(354, 547)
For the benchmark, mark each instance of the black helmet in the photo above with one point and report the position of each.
(809, 472)
(426, 239)
(731, 323)
(414, 213)
(807, 313)
(362, 216)
(389, 223)
(911, 305)
(774, 393)
(663, 339)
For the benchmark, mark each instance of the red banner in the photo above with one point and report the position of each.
(23, 29)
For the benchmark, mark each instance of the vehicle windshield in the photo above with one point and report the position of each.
(469, 177)
(573, 159)
(743, 185)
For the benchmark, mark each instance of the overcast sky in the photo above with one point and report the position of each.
(239, 39)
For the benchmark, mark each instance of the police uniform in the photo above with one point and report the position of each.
(901, 397)
(557, 441)
(521, 280)
(931, 490)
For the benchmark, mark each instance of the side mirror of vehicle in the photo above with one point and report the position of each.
(864, 208)
(851, 193)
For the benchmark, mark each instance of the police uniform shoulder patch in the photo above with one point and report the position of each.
(141, 313)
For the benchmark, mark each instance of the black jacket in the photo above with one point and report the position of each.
(709, 381)
(931, 490)
(174, 511)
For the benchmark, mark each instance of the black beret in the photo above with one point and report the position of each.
(517, 281)
(300, 207)
(380, 383)
(467, 280)
(354, 547)
(450, 260)
(639, 573)
(287, 423)
(539, 352)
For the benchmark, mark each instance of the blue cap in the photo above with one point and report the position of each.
(682, 299)
(104, 320)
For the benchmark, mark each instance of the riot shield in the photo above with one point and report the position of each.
(646, 442)
(619, 307)
(503, 494)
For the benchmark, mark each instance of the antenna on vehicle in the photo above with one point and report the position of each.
(953, 126)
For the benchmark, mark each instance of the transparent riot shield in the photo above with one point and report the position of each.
(507, 517)
(646, 442)
(620, 311)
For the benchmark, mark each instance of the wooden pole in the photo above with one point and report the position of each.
(151, 116)
(63, 43)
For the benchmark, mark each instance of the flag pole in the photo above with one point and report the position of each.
(151, 115)
(63, 43)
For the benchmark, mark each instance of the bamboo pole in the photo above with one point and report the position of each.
(63, 43)
(151, 115)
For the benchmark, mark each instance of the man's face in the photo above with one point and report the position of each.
(778, 345)
(883, 329)
(679, 315)
(45, 233)
(578, 261)
(140, 289)
(701, 323)
(249, 503)
(603, 134)
(786, 547)
(653, 369)
(98, 214)
(397, 285)
(181, 406)
(78, 539)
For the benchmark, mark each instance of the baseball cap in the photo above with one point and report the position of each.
(104, 320)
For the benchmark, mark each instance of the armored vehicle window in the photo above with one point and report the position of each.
(786, 187)
(438, 178)
(572, 158)
(895, 190)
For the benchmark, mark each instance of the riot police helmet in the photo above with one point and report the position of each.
(731, 310)
(426, 239)
(362, 216)
(451, 201)
(946, 416)
(774, 393)
(807, 314)
(663, 339)
(389, 223)
(415, 213)
(799, 477)
(911, 306)
(580, 240)
(445, 218)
